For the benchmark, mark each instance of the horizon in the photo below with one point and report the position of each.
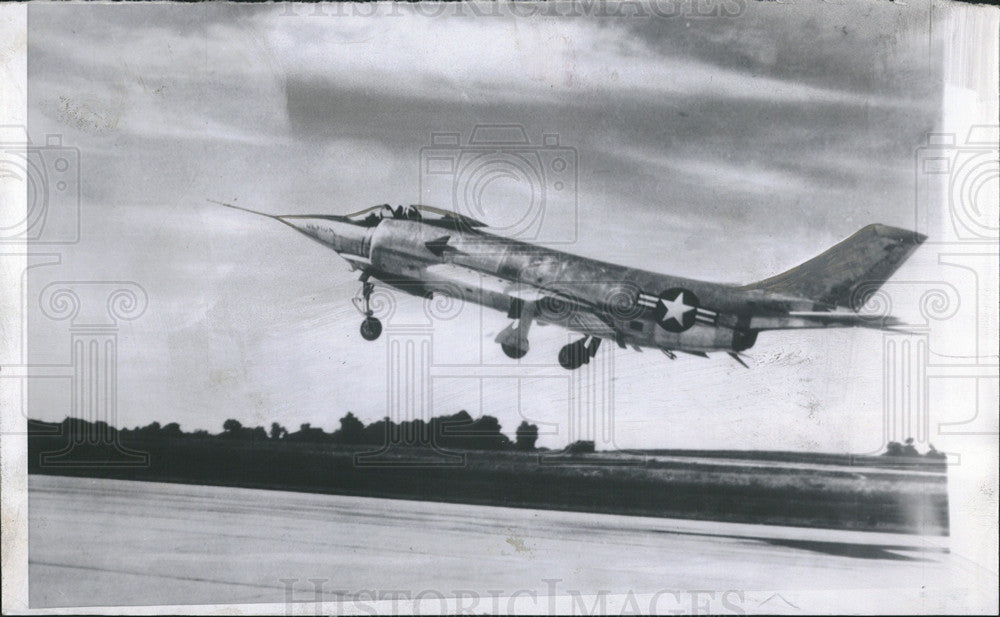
(931, 451)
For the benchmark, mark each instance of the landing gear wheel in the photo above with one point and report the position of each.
(514, 351)
(576, 354)
(572, 356)
(371, 328)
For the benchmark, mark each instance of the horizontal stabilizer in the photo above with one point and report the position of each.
(847, 319)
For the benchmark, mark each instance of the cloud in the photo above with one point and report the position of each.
(537, 60)
(155, 81)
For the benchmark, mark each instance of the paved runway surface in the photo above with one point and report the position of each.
(857, 470)
(109, 542)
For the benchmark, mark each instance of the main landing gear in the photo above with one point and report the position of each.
(514, 338)
(371, 327)
(578, 353)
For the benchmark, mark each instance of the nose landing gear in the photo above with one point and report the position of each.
(371, 326)
(576, 354)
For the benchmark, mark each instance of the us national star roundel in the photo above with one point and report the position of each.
(676, 309)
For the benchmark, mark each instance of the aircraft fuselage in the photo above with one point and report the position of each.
(454, 256)
(396, 252)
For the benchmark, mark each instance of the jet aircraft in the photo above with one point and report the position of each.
(424, 250)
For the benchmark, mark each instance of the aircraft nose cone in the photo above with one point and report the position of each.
(340, 235)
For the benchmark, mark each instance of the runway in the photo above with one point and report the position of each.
(856, 470)
(116, 543)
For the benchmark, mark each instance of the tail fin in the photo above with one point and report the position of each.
(845, 274)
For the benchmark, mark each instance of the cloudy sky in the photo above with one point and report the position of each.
(725, 148)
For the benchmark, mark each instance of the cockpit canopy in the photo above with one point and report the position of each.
(369, 217)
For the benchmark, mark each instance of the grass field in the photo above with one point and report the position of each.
(738, 487)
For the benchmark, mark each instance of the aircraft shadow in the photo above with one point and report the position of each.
(854, 550)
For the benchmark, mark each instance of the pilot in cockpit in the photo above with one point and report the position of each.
(412, 213)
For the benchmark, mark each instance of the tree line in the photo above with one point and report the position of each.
(907, 449)
(457, 431)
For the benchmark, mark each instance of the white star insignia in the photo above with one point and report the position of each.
(675, 309)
